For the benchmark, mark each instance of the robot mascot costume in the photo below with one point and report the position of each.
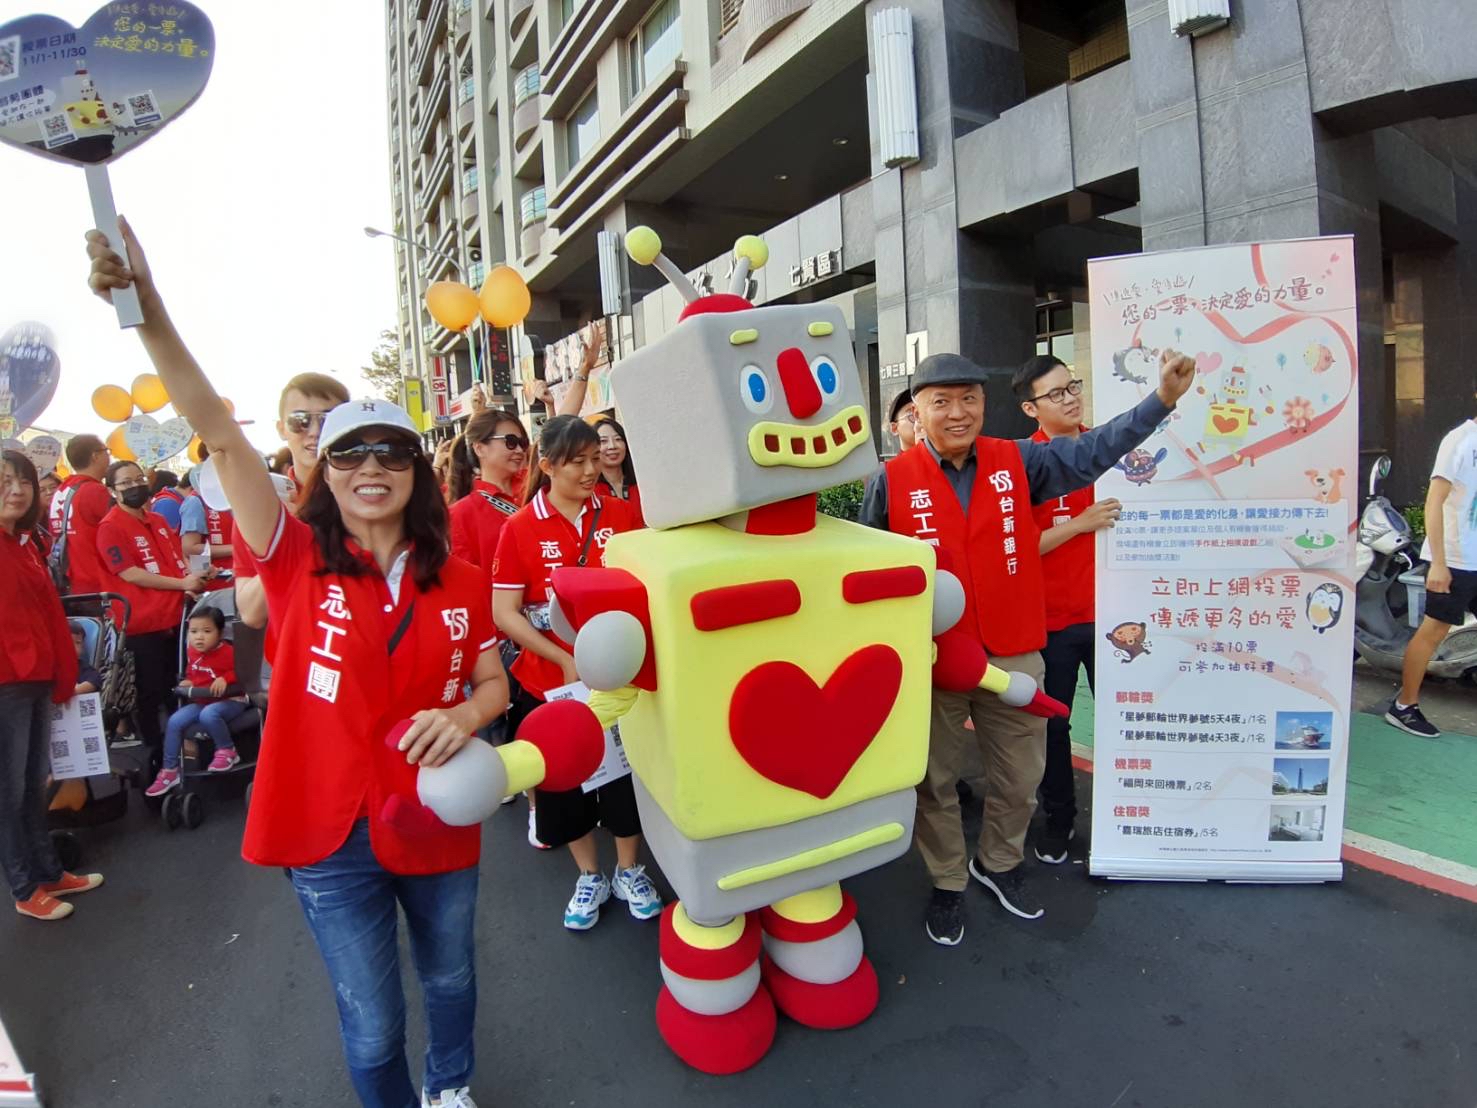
(771, 668)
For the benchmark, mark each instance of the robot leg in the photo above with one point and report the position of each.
(814, 965)
(713, 1011)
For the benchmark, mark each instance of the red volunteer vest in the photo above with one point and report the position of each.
(150, 544)
(1070, 569)
(92, 503)
(336, 693)
(219, 531)
(995, 550)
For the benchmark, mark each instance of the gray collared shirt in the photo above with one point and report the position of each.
(1053, 468)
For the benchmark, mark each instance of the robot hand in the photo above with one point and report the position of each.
(961, 664)
(558, 746)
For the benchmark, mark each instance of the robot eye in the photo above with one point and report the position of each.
(827, 377)
(755, 389)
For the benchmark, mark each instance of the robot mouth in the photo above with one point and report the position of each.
(794, 444)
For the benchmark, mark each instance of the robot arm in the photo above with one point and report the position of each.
(604, 613)
(558, 746)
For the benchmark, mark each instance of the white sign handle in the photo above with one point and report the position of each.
(105, 219)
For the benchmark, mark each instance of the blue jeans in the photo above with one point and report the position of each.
(349, 899)
(26, 852)
(215, 718)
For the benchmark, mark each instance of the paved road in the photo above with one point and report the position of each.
(1158, 996)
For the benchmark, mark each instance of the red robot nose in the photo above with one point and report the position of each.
(802, 394)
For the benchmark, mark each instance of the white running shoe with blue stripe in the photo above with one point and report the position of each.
(635, 888)
(583, 910)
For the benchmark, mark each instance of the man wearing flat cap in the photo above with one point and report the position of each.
(971, 497)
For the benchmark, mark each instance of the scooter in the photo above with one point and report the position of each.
(1389, 599)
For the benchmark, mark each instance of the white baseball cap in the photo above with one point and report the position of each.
(355, 415)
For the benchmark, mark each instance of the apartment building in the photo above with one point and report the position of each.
(943, 169)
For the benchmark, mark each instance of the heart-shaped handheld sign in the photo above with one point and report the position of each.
(44, 452)
(29, 369)
(174, 436)
(152, 441)
(88, 95)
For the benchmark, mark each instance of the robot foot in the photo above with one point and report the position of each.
(844, 1003)
(722, 1044)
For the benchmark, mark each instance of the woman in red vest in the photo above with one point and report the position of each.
(566, 523)
(38, 668)
(617, 471)
(141, 553)
(377, 625)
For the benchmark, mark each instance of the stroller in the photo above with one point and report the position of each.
(89, 801)
(185, 804)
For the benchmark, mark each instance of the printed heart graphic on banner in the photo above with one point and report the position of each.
(88, 95)
(29, 370)
(44, 452)
(1207, 363)
(805, 737)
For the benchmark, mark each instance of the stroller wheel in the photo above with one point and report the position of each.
(193, 809)
(68, 850)
(249, 786)
(170, 811)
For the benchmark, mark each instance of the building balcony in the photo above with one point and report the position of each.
(526, 113)
(470, 207)
(462, 18)
(575, 54)
(523, 46)
(651, 128)
(518, 12)
(532, 214)
(754, 22)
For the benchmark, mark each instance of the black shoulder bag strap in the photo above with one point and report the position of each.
(404, 627)
(504, 506)
(585, 546)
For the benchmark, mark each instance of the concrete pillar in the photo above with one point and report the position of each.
(971, 295)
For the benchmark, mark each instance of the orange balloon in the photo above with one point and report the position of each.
(112, 403)
(149, 393)
(505, 298)
(452, 304)
(193, 450)
(118, 448)
(63, 470)
(229, 406)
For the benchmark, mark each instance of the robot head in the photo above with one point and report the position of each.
(738, 407)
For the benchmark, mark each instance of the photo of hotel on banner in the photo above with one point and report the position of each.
(1222, 592)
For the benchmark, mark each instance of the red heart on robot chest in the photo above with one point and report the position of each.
(807, 737)
(1225, 424)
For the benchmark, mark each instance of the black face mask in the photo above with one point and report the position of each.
(135, 497)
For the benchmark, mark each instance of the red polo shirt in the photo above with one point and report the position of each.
(85, 569)
(476, 522)
(150, 543)
(538, 540)
(336, 693)
(1068, 571)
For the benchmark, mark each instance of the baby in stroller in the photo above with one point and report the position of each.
(210, 665)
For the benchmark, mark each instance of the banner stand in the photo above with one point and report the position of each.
(17, 1087)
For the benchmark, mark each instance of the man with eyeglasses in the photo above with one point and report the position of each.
(1051, 396)
(971, 497)
(305, 403)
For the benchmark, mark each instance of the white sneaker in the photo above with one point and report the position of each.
(448, 1098)
(583, 910)
(533, 831)
(635, 888)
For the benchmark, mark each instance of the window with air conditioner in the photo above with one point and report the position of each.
(655, 45)
(583, 128)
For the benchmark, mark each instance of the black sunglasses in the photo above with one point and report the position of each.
(396, 456)
(298, 422)
(512, 442)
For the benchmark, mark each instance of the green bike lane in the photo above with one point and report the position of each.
(1409, 803)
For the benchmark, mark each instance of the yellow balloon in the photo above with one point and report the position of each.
(148, 393)
(505, 297)
(452, 304)
(112, 403)
(63, 470)
(229, 406)
(118, 448)
(193, 450)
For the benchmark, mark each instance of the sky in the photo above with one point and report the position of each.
(250, 206)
